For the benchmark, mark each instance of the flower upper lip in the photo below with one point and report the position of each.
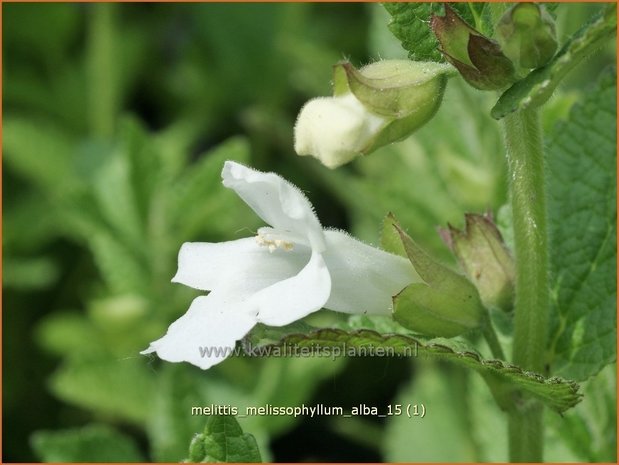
(294, 268)
(276, 201)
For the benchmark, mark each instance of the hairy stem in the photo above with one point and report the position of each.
(523, 140)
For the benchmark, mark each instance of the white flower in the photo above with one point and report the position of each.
(286, 272)
(335, 129)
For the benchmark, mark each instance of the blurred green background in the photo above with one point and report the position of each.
(116, 121)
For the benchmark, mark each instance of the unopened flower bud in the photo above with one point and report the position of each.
(479, 59)
(381, 103)
(445, 305)
(485, 259)
(335, 129)
(527, 35)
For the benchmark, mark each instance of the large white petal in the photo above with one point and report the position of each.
(213, 323)
(276, 201)
(292, 299)
(205, 265)
(240, 266)
(364, 279)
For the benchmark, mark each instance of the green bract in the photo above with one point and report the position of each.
(393, 88)
(479, 59)
(381, 103)
(446, 305)
(527, 35)
(539, 85)
(485, 259)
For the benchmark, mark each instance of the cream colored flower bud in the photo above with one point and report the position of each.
(335, 129)
(382, 103)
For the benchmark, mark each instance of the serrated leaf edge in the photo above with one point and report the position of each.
(499, 366)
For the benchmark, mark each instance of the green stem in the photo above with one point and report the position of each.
(523, 140)
(492, 340)
(526, 433)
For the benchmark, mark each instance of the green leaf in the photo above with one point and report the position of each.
(48, 33)
(381, 41)
(171, 426)
(18, 235)
(92, 443)
(121, 270)
(379, 323)
(223, 440)
(410, 23)
(145, 165)
(590, 429)
(64, 333)
(262, 334)
(118, 388)
(537, 87)
(459, 407)
(199, 198)
(40, 152)
(582, 224)
(557, 393)
(114, 191)
(29, 273)
(123, 266)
